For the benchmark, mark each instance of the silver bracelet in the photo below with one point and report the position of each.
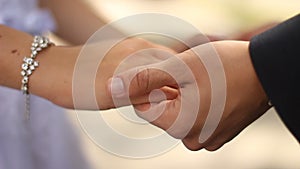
(29, 65)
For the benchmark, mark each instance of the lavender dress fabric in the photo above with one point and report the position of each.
(47, 141)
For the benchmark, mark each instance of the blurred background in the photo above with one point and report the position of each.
(266, 144)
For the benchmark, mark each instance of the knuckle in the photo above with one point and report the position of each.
(142, 80)
(213, 145)
(176, 133)
(192, 144)
(212, 148)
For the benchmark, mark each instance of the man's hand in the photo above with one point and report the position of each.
(184, 116)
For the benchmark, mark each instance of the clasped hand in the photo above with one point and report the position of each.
(177, 94)
(172, 91)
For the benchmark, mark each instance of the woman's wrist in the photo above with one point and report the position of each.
(14, 46)
(55, 63)
(53, 79)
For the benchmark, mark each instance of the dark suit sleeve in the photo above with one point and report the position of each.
(275, 56)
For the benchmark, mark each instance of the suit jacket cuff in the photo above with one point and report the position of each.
(276, 58)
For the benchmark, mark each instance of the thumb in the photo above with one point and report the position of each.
(140, 81)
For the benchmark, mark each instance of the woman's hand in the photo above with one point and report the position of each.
(54, 77)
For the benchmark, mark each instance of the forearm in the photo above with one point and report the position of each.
(53, 78)
(55, 64)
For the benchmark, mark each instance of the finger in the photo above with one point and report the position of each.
(161, 114)
(142, 103)
(155, 96)
(139, 81)
(166, 115)
(192, 143)
(142, 80)
(165, 93)
(213, 147)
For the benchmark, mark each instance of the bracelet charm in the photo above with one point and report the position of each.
(29, 65)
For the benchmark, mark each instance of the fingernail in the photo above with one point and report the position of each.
(117, 87)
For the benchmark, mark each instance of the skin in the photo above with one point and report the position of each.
(53, 78)
(15, 44)
(245, 98)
